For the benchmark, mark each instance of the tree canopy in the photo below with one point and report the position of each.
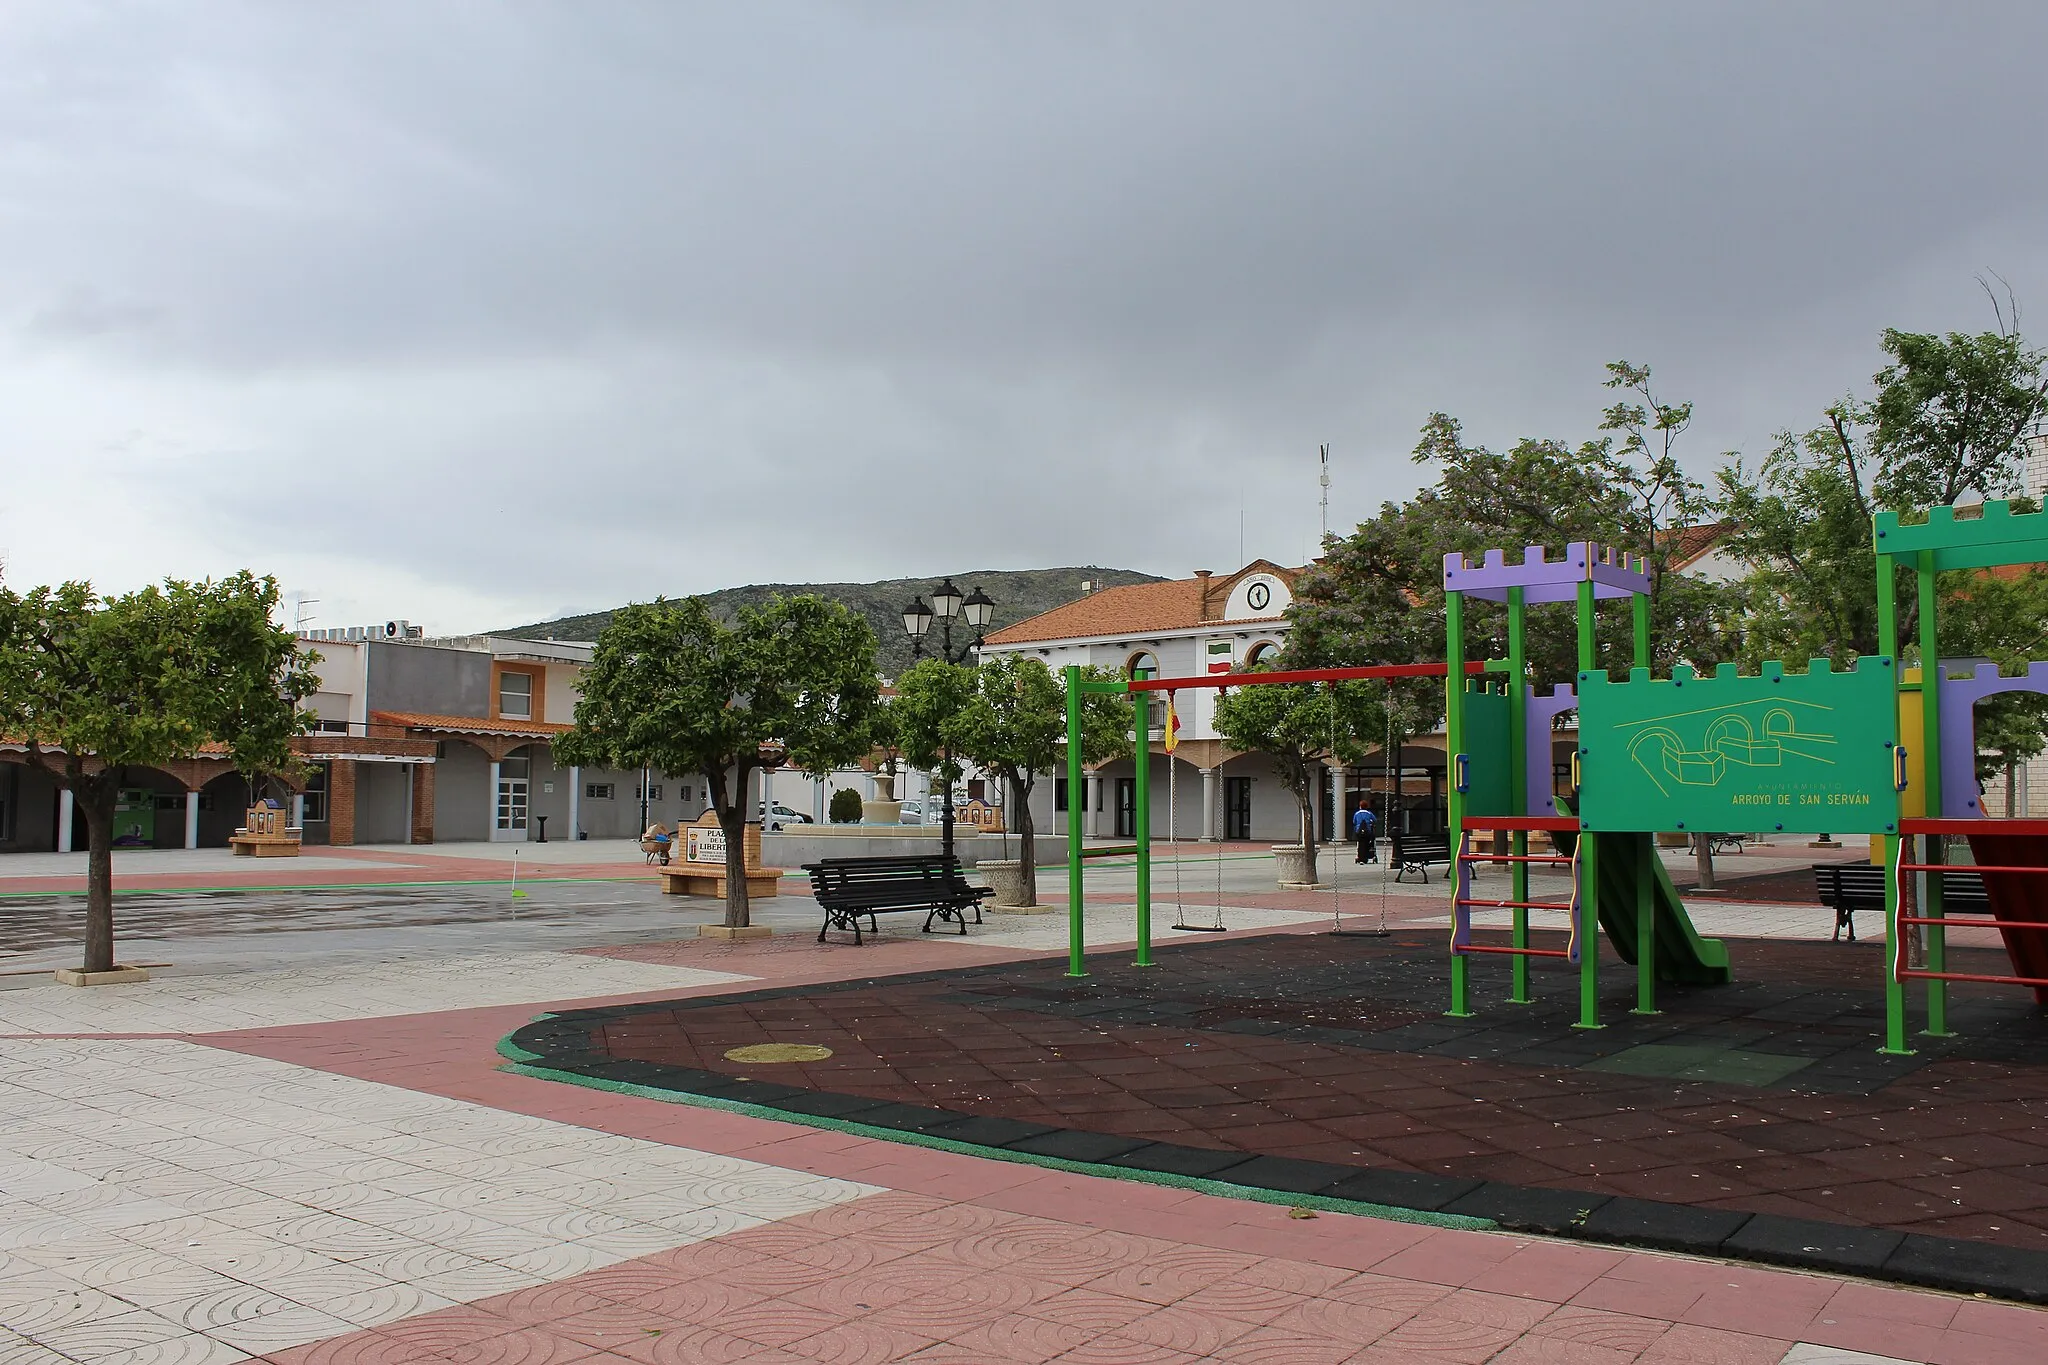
(672, 687)
(1008, 717)
(94, 686)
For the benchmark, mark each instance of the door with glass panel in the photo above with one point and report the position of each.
(513, 777)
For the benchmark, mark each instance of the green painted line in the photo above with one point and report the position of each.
(521, 1063)
(323, 886)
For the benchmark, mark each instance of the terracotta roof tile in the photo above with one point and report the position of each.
(1687, 544)
(1135, 609)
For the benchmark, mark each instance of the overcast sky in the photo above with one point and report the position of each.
(477, 313)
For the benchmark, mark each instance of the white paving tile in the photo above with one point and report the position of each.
(310, 995)
(272, 1205)
(1806, 1354)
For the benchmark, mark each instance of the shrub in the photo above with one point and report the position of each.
(845, 807)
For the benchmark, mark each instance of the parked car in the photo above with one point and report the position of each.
(779, 815)
(913, 812)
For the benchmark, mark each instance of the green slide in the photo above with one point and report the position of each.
(1682, 955)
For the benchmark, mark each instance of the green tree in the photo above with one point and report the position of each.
(1946, 423)
(1013, 726)
(1377, 595)
(675, 689)
(93, 686)
(844, 808)
(1299, 726)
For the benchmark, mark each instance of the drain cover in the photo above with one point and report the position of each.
(779, 1052)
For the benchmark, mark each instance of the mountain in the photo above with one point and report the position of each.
(1019, 593)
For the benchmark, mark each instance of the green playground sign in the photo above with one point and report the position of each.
(1805, 753)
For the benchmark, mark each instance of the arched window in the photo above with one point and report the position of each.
(1264, 652)
(1140, 666)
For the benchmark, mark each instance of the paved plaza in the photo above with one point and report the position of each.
(301, 1143)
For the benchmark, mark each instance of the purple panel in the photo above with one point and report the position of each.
(1956, 700)
(1614, 573)
(1536, 738)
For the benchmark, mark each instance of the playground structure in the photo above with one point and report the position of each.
(2011, 855)
(1818, 752)
(1499, 733)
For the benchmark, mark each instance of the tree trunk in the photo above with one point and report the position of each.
(733, 820)
(1027, 837)
(1703, 860)
(95, 801)
(1308, 831)
(731, 805)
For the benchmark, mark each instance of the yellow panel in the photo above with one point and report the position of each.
(1913, 800)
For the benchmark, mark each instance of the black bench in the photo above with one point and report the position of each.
(848, 888)
(1849, 887)
(1415, 852)
(1726, 843)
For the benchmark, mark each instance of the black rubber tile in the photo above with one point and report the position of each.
(1527, 1207)
(765, 1093)
(1812, 1244)
(1290, 1175)
(1669, 1227)
(826, 1105)
(1170, 1158)
(1970, 1267)
(632, 1073)
(988, 1131)
(1072, 1145)
(1402, 1189)
(907, 1118)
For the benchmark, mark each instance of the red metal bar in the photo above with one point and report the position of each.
(1912, 975)
(1298, 675)
(1515, 822)
(1533, 905)
(1514, 858)
(1967, 867)
(1920, 824)
(1513, 952)
(1951, 922)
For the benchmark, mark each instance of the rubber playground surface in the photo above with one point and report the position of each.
(1755, 1120)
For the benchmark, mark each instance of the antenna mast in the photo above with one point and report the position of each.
(1325, 451)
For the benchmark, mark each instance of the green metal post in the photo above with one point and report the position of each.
(1454, 740)
(1888, 646)
(1646, 930)
(1589, 853)
(1894, 989)
(1518, 784)
(1141, 817)
(1075, 796)
(1930, 760)
(1646, 874)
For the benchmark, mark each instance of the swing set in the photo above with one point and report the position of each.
(1141, 797)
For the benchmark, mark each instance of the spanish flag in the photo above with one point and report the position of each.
(1172, 724)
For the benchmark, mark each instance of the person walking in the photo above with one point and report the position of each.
(1363, 828)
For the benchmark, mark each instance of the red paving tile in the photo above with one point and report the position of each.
(969, 1260)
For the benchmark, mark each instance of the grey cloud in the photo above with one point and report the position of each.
(677, 296)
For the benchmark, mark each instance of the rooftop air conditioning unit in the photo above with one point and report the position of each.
(397, 630)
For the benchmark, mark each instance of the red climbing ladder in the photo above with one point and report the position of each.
(2016, 886)
(1463, 901)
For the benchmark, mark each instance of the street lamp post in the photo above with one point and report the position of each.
(977, 608)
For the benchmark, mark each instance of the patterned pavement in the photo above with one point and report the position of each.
(340, 1180)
